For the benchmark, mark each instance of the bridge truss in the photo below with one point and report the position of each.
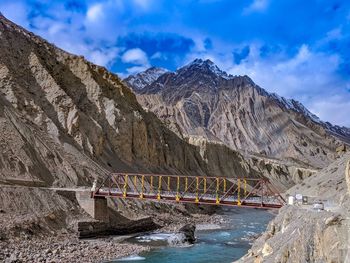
(244, 192)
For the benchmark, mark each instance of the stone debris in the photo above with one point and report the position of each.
(65, 250)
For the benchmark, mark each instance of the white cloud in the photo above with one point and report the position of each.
(55, 28)
(300, 75)
(135, 56)
(103, 57)
(94, 12)
(138, 57)
(334, 34)
(256, 6)
(335, 109)
(137, 69)
(157, 55)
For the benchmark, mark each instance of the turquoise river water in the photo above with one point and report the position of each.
(222, 245)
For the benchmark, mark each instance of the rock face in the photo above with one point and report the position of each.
(297, 235)
(301, 234)
(202, 101)
(65, 120)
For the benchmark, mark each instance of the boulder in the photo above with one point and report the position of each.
(185, 236)
(188, 231)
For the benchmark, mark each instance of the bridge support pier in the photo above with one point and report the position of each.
(95, 207)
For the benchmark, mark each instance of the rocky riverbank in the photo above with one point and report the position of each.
(68, 248)
(65, 249)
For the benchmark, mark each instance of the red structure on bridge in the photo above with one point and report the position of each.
(242, 192)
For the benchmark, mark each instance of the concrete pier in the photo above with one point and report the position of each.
(96, 207)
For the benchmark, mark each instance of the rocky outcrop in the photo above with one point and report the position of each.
(30, 211)
(98, 229)
(341, 149)
(347, 175)
(65, 121)
(283, 175)
(328, 184)
(200, 100)
(301, 234)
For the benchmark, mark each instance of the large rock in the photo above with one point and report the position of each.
(184, 236)
(189, 231)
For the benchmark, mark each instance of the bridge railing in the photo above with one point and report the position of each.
(256, 192)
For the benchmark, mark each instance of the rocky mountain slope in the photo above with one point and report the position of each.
(302, 234)
(199, 100)
(62, 117)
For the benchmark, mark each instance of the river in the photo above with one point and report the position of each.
(223, 245)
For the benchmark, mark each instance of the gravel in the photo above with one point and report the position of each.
(65, 249)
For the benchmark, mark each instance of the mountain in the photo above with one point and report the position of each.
(65, 121)
(201, 101)
(142, 79)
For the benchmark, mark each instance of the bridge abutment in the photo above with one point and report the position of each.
(95, 207)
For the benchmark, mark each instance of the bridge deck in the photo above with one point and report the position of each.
(243, 192)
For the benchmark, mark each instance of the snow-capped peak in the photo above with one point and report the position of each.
(207, 64)
(144, 78)
(291, 104)
(294, 105)
(152, 74)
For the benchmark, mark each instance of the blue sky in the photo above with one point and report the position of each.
(297, 48)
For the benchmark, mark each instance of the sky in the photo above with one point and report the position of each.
(298, 49)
